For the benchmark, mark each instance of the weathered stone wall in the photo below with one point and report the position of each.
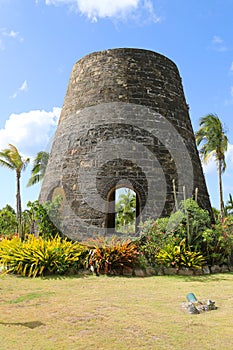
(124, 121)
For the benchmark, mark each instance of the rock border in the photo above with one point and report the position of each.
(167, 271)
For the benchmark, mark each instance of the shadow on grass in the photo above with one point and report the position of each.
(31, 325)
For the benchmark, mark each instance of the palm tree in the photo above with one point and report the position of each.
(125, 209)
(39, 167)
(229, 206)
(214, 143)
(11, 159)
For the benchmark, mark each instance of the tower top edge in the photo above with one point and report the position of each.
(127, 51)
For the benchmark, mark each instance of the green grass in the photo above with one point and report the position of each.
(114, 313)
(28, 296)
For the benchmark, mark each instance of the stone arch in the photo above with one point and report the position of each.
(111, 201)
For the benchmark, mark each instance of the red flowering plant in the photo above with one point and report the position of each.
(217, 243)
(110, 255)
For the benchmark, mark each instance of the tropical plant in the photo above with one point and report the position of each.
(216, 214)
(36, 256)
(217, 242)
(11, 159)
(213, 142)
(153, 237)
(192, 221)
(187, 223)
(44, 218)
(109, 255)
(39, 166)
(126, 211)
(8, 221)
(229, 205)
(179, 255)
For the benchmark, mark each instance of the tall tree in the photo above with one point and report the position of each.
(213, 142)
(126, 210)
(229, 206)
(11, 159)
(39, 167)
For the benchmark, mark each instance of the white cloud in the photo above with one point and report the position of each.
(229, 156)
(106, 8)
(120, 9)
(30, 131)
(2, 47)
(231, 68)
(217, 40)
(218, 44)
(23, 87)
(211, 166)
(229, 100)
(11, 34)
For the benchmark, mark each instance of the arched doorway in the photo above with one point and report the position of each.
(123, 211)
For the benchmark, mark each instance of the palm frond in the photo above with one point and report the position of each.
(34, 180)
(39, 167)
(11, 159)
(6, 164)
(211, 139)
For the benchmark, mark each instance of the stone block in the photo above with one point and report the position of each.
(127, 271)
(206, 270)
(185, 272)
(215, 269)
(150, 271)
(160, 272)
(139, 272)
(224, 268)
(170, 271)
(198, 271)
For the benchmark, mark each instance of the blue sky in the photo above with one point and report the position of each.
(40, 40)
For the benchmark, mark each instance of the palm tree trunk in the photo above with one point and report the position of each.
(18, 206)
(220, 190)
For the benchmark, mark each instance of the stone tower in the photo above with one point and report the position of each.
(124, 123)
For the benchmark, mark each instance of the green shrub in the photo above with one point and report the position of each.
(189, 222)
(8, 221)
(217, 242)
(36, 256)
(178, 256)
(44, 219)
(106, 255)
(153, 238)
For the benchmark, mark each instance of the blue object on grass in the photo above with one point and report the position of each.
(191, 297)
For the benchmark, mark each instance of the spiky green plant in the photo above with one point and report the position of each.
(179, 255)
(36, 256)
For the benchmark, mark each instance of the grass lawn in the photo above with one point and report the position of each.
(80, 313)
